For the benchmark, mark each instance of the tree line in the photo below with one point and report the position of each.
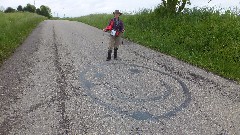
(43, 10)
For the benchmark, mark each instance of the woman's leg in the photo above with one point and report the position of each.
(110, 47)
(116, 45)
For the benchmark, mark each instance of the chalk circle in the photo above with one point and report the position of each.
(101, 91)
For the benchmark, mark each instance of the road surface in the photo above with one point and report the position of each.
(58, 82)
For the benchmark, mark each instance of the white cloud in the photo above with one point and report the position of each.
(215, 3)
(74, 8)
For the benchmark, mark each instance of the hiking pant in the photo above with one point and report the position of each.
(114, 42)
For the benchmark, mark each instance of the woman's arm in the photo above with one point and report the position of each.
(110, 26)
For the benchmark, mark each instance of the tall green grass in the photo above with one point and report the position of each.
(14, 28)
(202, 37)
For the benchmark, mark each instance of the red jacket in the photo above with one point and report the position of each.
(111, 25)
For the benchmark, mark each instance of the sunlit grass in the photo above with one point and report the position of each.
(14, 28)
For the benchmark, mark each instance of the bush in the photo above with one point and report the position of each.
(9, 10)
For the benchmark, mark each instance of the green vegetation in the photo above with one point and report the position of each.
(43, 10)
(202, 37)
(14, 28)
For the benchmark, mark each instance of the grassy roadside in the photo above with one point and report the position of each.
(14, 28)
(201, 37)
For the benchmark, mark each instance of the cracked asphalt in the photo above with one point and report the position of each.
(58, 82)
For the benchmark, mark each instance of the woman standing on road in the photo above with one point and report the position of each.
(117, 28)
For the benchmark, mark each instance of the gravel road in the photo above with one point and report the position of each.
(58, 82)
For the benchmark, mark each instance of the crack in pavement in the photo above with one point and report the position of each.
(61, 94)
(40, 105)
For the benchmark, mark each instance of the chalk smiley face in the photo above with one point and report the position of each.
(122, 88)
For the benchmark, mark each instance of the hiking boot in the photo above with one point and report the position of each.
(115, 53)
(109, 55)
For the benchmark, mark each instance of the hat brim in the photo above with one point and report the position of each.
(117, 13)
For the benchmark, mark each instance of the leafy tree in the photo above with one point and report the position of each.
(20, 8)
(9, 10)
(38, 11)
(174, 6)
(30, 8)
(44, 11)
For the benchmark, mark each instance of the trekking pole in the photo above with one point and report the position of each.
(122, 38)
(122, 41)
(103, 36)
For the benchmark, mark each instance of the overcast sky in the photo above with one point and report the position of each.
(75, 8)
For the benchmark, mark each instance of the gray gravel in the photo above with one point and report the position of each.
(58, 82)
